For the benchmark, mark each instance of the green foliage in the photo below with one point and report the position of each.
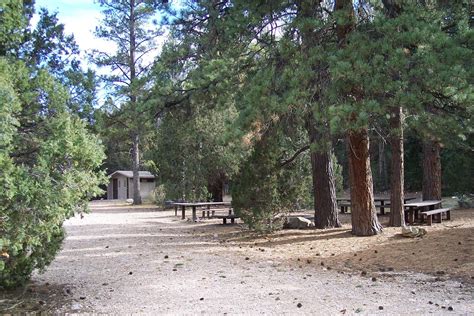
(255, 195)
(338, 171)
(48, 164)
(281, 67)
(159, 195)
(47, 46)
(125, 121)
(192, 152)
(455, 164)
(264, 190)
(13, 20)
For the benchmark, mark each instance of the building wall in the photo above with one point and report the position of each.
(146, 188)
(121, 189)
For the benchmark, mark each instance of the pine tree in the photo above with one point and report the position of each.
(130, 25)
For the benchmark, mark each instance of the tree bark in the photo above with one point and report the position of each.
(364, 214)
(137, 199)
(393, 8)
(397, 197)
(382, 166)
(431, 170)
(324, 187)
(215, 187)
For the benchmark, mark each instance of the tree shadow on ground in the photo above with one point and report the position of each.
(40, 298)
(446, 252)
(121, 209)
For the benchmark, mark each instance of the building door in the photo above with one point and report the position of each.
(114, 189)
(128, 191)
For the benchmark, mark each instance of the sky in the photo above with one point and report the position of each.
(80, 17)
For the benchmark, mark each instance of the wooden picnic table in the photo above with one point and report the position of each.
(381, 199)
(194, 205)
(411, 209)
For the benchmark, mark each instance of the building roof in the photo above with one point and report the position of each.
(129, 174)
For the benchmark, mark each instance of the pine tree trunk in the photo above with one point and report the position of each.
(397, 198)
(364, 214)
(324, 190)
(215, 187)
(137, 199)
(431, 171)
(382, 167)
(324, 187)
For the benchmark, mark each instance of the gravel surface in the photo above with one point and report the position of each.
(123, 260)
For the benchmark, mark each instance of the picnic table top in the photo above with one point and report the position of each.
(200, 203)
(376, 198)
(423, 203)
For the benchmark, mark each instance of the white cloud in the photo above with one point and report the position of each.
(82, 24)
(81, 17)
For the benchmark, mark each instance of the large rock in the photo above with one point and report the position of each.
(413, 232)
(297, 223)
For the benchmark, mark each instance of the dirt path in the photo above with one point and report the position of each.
(124, 260)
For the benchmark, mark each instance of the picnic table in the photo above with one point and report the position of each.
(412, 209)
(345, 202)
(194, 205)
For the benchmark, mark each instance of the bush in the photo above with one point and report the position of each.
(263, 192)
(47, 170)
(466, 200)
(159, 194)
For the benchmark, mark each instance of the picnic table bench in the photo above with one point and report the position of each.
(225, 217)
(438, 212)
(344, 206)
(412, 209)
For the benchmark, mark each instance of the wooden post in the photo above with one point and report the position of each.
(194, 213)
(382, 209)
(412, 216)
(176, 210)
(183, 215)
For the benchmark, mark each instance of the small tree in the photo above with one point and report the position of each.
(48, 164)
(130, 26)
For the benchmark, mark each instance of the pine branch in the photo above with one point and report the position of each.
(295, 155)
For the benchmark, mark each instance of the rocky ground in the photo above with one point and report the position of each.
(123, 260)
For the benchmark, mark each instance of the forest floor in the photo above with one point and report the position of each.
(121, 260)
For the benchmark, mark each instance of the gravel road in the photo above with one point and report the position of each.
(123, 260)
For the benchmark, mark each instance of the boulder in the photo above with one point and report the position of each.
(297, 223)
(413, 232)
